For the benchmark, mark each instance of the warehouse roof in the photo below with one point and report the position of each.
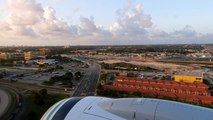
(199, 74)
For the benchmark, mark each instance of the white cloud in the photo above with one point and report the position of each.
(29, 23)
(56, 0)
(131, 21)
(134, 26)
(29, 19)
(24, 12)
(87, 25)
(49, 13)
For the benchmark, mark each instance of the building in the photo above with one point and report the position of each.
(44, 51)
(3, 56)
(16, 56)
(192, 92)
(45, 61)
(33, 55)
(27, 55)
(190, 77)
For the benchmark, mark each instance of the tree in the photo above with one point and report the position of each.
(69, 74)
(7, 62)
(59, 67)
(131, 74)
(71, 84)
(38, 99)
(43, 92)
(137, 94)
(1, 76)
(78, 75)
(31, 116)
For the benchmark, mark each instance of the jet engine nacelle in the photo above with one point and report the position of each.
(101, 108)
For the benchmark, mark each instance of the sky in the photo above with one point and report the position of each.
(105, 22)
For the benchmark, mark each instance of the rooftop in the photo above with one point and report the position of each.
(200, 74)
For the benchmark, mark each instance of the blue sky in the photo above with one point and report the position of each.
(166, 14)
(172, 21)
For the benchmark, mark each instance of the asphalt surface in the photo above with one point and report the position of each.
(9, 102)
(210, 80)
(4, 102)
(93, 80)
(88, 82)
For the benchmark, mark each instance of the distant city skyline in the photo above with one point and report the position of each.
(104, 22)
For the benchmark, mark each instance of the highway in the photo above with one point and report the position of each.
(88, 82)
(87, 85)
(93, 80)
(83, 81)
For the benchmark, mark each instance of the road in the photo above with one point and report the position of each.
(93, 80)
(186, 62)
(88, 82)
(4, 102)
(210, 80)
(9, 104)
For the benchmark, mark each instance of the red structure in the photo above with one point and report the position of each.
(192, 92)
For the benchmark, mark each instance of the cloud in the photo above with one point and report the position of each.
(52, 26)
(29, 19)
(24, 12)
(28, 22)
(131, 22)
(87, 24)
(134, 26)
(56, 0)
